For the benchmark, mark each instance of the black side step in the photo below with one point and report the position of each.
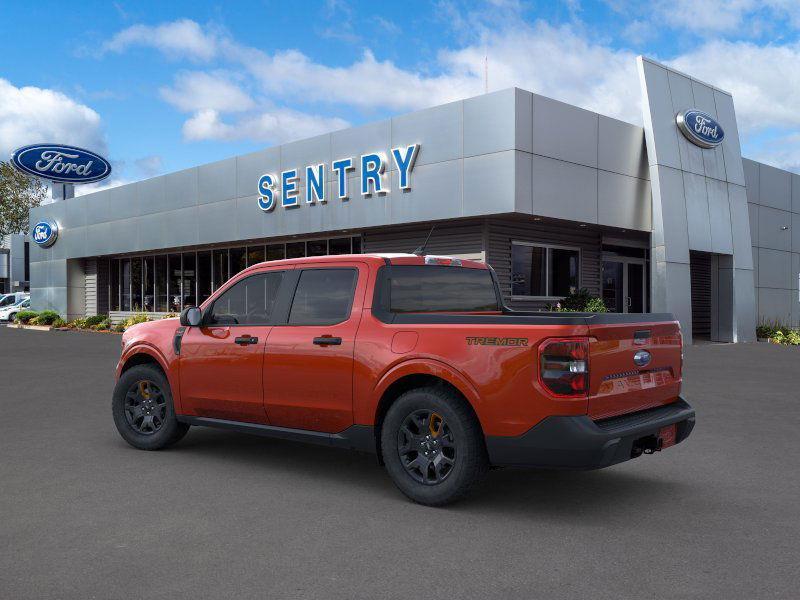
(355, 437)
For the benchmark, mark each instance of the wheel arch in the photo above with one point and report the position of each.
(415, 376)
(143, 354)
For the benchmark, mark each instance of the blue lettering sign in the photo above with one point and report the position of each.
(315, 184)
(289, 193)
(372, 167)
(341, 167)
(404, 158)
(374, 180)
(266, 192)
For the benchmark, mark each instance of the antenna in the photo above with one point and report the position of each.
(421, 250)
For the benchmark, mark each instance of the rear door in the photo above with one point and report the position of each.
(308, 366)
(221, 363)
(633, 366)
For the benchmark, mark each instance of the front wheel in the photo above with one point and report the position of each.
(433, 446)
(143, 410)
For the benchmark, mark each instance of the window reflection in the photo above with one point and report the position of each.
(170, 282)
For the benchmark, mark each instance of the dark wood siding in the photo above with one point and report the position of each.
(461, 237)
(700, 274)
(502, 232)
(494, 236)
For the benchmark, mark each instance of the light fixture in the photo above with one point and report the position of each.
(784, 227)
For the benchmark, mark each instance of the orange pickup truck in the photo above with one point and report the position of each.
(414, 358)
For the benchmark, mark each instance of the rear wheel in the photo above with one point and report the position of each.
(433, 446)
(143, 410)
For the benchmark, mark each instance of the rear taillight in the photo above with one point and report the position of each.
(564, 367)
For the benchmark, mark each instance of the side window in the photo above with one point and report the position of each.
(249, 302)
(323, 296)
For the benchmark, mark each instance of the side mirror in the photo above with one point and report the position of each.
(191, 316)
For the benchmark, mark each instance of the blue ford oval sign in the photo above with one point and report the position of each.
(65, 164)
(700, 128)
(44, 233)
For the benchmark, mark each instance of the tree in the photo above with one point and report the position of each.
(18, 194)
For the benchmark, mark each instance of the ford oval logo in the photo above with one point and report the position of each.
(44, 233)
(700, 128)
(642, 358)
(65, 164)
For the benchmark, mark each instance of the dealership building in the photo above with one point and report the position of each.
(555, 198)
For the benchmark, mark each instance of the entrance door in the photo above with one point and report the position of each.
(221, 363)
(308, 369)
(624, 285)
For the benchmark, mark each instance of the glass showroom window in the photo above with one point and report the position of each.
(544, 271)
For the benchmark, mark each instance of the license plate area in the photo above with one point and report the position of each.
(667, 436)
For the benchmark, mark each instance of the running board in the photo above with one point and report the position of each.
(355, 437)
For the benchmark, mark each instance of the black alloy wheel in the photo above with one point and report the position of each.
(426, 447)
(145, 407)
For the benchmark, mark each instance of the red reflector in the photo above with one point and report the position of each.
(564, 367)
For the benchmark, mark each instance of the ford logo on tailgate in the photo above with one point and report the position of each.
(65, 164)
(44, 233)
(642, 358)
(700, 128)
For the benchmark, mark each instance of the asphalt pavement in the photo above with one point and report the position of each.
(225, 515)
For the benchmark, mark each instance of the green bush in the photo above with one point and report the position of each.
(580, 301)
(90, 322)
(46, 317)
(103, 325)
(25, 316)
(59, 322)
(779, 333)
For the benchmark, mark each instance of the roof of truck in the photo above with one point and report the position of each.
(394, 258)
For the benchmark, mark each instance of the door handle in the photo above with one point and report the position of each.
(327, 340)
(245, 340)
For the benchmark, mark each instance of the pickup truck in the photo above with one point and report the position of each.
(413, 358)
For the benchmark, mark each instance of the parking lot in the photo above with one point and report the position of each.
(83, 515)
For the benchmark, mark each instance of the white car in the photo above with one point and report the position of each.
(7, 313)
(7, 300)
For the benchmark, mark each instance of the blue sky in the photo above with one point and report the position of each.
(159, 86)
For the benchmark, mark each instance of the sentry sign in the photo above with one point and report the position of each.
(700, 128)
(64, 164)
(284, 189)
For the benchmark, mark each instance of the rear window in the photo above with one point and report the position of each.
(419, 289)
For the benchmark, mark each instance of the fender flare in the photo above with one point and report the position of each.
(158, 356)
(426, 366)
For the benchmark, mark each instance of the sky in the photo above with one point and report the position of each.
(160, 86)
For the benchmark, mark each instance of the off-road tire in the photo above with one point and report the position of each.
(170, 429)
(470, 463)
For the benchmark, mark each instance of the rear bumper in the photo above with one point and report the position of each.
(562, 442)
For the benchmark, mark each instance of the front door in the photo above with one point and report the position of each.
(308, 366)
(624, 285)
(221, 363)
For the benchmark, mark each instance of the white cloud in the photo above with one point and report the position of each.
(30, 114)
(150, 166)
(198, 90)
(278, 125)
(181, 38)
(764, 80)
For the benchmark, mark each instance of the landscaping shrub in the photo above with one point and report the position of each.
(91, 322)
(25, 316)
(580, 301)
(59, 322)
(103, 325)
(46, 317)
(778, 333)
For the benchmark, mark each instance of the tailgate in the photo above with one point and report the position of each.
(621, 378)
